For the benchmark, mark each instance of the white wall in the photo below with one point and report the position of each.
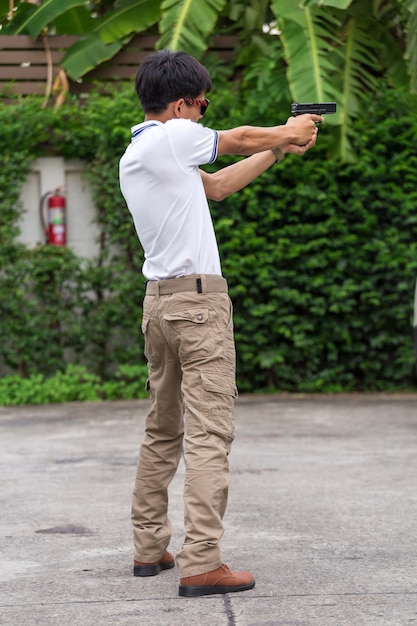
(46, 175)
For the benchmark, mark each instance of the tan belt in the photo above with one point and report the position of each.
(199, 283)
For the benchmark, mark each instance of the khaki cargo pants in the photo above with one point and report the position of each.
(189, 345)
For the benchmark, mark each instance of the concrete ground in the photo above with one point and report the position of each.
(322, 510)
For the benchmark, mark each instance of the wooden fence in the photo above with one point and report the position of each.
(24, 67)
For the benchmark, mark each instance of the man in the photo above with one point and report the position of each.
(187, 314)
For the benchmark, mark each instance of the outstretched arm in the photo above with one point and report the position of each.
(234, 177)
(248, 140)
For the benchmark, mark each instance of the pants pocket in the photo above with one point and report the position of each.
(218, 397)
(191, 332)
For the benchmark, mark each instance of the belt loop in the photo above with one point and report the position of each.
(157, 288)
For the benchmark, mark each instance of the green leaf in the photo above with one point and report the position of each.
(111, 32)
(132, 16)
(76, 21)
(44, 15)
(186, 24)
(331, 56)
(88, 53)
(308, 39)
(337, 4)
(4, 7)
(359, 77)
(21, 16)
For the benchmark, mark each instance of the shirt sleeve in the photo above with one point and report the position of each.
(192, 143)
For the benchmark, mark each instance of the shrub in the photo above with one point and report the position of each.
(321, 257)
(74, 384)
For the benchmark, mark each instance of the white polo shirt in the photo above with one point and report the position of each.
(161, 183)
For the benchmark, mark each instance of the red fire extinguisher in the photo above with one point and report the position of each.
(54, 225)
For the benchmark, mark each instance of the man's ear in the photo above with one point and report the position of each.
(177, 107)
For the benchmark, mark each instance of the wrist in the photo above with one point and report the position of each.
(278, 153)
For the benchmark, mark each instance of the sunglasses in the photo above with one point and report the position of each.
(203, 104)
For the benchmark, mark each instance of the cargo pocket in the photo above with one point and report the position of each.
(144, 325)
(218, 396)
(196, 316)
(192, 328)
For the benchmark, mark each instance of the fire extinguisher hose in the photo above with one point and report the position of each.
(42, 214)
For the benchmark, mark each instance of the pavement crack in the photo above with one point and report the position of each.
(229, 610)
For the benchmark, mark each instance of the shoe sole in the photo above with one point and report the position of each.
(189, 591)
(151, 570)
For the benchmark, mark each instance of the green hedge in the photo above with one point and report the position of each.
(322, 261)
(321, 257)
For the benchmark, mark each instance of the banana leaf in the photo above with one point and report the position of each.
(337, 4)
(331, 56)
(76, 21)
(186, 24)
(110, 34)
(88, 53)
(32, 19)
(131, 16)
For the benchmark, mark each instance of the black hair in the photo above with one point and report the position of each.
(166, 76)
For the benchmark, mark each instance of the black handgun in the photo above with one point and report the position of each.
(317, 108)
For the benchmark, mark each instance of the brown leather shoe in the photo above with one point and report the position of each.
(152, 569)
(220, 580)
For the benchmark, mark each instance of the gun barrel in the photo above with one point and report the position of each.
(317, 108)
